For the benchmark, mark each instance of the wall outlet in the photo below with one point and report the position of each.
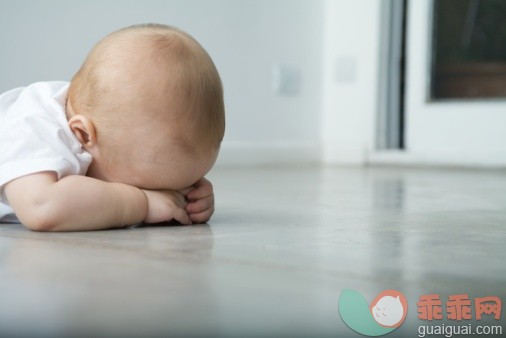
(285, 79)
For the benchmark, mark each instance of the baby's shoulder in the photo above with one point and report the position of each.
(38, 90)
(44, 90)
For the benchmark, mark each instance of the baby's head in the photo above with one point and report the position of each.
(148, 105)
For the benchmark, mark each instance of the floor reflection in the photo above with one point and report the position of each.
(146, 279)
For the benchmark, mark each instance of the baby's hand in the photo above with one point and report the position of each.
(165, 206)
(200, 198)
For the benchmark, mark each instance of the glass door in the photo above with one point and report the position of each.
(455, 109)
(468, 49)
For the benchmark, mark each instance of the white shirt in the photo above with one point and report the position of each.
(35, 137)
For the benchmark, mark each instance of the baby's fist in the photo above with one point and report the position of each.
(165, 206)
(200, 205)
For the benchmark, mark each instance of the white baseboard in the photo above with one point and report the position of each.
(241, 154)
(406, 158)
(268, 154)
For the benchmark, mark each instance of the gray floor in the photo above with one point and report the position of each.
(272, 262)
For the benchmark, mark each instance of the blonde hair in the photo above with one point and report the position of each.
(181, 58)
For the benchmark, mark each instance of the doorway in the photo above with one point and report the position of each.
(442, 86)
(461, 129)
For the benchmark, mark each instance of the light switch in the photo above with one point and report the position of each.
(285, 79)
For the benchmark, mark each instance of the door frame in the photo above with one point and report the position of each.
(390, 121)
(449, 132)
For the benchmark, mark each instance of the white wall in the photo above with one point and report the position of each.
(48, 39)
(350, 97)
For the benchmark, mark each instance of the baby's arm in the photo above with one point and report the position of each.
(43, 203)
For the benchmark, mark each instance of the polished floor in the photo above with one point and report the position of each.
(283, 244)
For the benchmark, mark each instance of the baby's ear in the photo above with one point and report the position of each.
(84, 130)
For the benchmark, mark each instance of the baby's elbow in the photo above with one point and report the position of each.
(41, 220)
(40, 225)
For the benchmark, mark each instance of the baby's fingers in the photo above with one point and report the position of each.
(202, 217)
(185, 191)
(182, 217)
(200, 205)
(203, 188)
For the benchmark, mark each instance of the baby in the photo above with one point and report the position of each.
(129, 140)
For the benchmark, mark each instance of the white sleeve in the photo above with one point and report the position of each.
(36, 142)
(31, 147)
